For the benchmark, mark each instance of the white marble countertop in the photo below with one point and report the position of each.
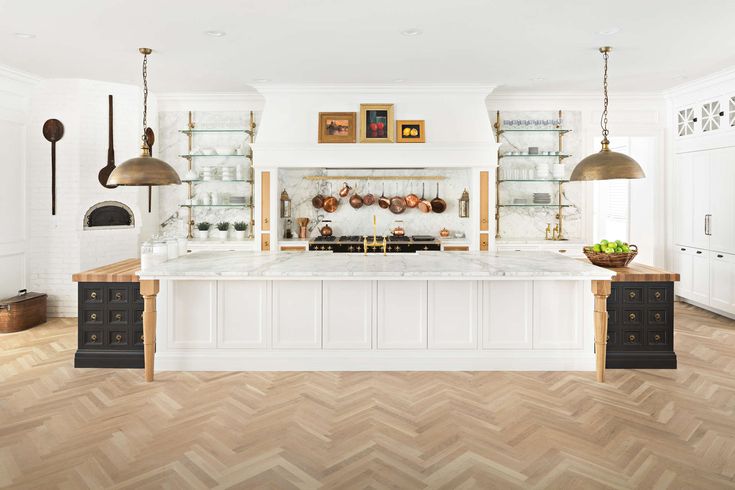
(422, 265)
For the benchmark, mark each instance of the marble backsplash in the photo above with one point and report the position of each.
(349, 221)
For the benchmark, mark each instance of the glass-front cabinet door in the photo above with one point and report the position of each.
(711, 115)
(685, 121)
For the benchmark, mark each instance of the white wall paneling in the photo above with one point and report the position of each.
(453, 314)
(297, 314)
(193, 314)
(557, 315)
(347, 314)
(507, 314)
(401, 314)
(243, 309)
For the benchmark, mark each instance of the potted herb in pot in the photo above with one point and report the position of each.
(203, 230)
(223, 228)
(240, 227)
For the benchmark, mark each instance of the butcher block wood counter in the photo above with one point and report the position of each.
(643, 273)
(123, 271)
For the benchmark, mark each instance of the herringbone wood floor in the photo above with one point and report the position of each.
(62, 427)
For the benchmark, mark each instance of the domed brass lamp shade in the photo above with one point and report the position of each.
(606, 164)
(144, 170)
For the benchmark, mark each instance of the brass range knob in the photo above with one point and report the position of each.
(118, 338)
(657, 316)
(632, 316)
(631, 338)
(93, 316)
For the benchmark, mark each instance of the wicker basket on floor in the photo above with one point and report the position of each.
(611, 260)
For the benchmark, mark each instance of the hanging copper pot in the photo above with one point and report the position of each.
(368, 199)
(424, 205)
(356, 200)
(345, 190)
(412, 200)
(383, 202)
(438, 205)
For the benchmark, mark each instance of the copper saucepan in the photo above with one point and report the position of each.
(438, 205)
(397, 204)
(368, 199)
(384, 202)
(345, 190)
(424, 205)
(412, 200)
(330, 202)
(318, 200)
(356, 200)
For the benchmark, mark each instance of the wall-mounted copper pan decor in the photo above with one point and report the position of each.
(53, 131)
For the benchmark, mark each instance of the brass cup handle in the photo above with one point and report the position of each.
(631, 338)
(632, 316)
(93, 316)
(657, 295)
(118, 316)
(118, 338)
(93, 295)
(93, 338)
(631, 294)
(118, 295)
(657, 338)
(657, 316)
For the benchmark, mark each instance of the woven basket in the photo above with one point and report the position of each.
(611, 260)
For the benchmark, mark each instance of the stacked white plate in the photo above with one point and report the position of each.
(207, 173)
(228, 173)
(541, 198)
(237, 200)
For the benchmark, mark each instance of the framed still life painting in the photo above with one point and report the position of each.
(376, 123)
(337, 127)
(410, 131)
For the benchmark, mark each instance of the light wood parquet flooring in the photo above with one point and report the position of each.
(62, 427)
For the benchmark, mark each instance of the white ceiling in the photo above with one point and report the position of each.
(512, 43)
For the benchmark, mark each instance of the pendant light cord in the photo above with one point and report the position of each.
(603, 118)
(145, 98)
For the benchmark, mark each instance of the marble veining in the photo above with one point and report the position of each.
(321, 265)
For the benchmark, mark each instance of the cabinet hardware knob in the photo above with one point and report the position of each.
(683, 250)
(719, 256)
(93, 338)
(118, 338)
(632, 316)
(93, 316)
(631, 294)
(118, 295)
(699, 251)
(722, 113)
(118, 316)
(657, 316)
(93, 295)
(631, 338)
(657, 295)
(657, 338)
(608, 338)
(694, 120)
(141, 338)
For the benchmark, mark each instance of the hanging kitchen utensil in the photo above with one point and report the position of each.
(150, 138)
(318, 200)
(53, 131)
(438, 205)
(397, 204)
(424, 205)
(356, 200)
(331, 203)
(345, 190)
(412, 200)
(368, 199)
(383, 202)
(104, 174)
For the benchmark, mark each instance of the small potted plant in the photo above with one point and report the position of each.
(203, 230)
(223, 227)
(240, 227)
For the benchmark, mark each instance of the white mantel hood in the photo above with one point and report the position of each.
(459, 132)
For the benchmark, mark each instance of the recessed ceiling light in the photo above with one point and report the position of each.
(261, 80)
(24, 35)
(215, 33)
(412, 32)
(609, 31)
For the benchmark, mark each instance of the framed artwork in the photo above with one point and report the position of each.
(410, 131)
(376, 123)
(337, 127)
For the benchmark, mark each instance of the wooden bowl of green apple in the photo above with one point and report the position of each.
(611, 253)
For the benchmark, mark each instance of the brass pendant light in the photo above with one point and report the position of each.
(607, 164)
(144, 170)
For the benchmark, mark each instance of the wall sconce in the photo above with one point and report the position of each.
(464, 205)
(285, 205)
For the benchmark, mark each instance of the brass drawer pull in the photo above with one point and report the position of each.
(632, 316)
(657, 316)
(93, 338)
(141, 338)
(118, 295)
(118, 316)
(631, 294)
(631, 338)
(93, 295)
(657, 338)
(93, 316)
(118, 338)
(657, 295)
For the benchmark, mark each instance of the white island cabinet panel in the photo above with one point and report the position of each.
(507, 315)
(722, 281)
(348, 314)
(193, 314)
(557, 315)
(401, 314)
(243, 314)
(452, 314)
(297, 314)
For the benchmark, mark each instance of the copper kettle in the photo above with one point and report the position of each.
(345, 190)
(326, 230)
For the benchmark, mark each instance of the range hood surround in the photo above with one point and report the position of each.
(458, 128)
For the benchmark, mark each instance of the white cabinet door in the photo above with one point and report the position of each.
(722, 281)
(701, 198)
(348, 314)
(685, 268)
(700, 276)
(453, 314)
(507, 314)
(557, 315)
(722, 200)
(401, 314)
(684, 200)
(193, 314)
(243, 314)
(297, 314)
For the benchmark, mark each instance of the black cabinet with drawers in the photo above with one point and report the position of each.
(640, 329)
(110, 325)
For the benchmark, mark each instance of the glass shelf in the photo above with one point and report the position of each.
(214, 130)
(533, 205)
(550, 130)
(229, 155)
(527, 155)
(216, 205)
(199, 181)
(534, 180)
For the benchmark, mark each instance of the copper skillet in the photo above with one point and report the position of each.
(438, 205)
(330, 203)
(318, 200)
(384, 202)
(368, 199)
(412, 200)
(424, 205)
(397, 204)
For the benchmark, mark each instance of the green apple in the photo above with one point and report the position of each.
(618, 243)
(596, 247)
(604, 242)
(618, 250)
(625, 248)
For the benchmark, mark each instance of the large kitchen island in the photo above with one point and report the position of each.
(426, 311)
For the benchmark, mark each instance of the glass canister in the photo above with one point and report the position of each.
(160, 251)
(172, 248)
(146, 255)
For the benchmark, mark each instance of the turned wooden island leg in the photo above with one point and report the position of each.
(149, 290)
(601, 290)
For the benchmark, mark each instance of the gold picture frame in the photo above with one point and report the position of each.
(414, 128)
(376, 123)
(337, 127)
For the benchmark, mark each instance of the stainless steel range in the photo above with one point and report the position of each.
(377, 244)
